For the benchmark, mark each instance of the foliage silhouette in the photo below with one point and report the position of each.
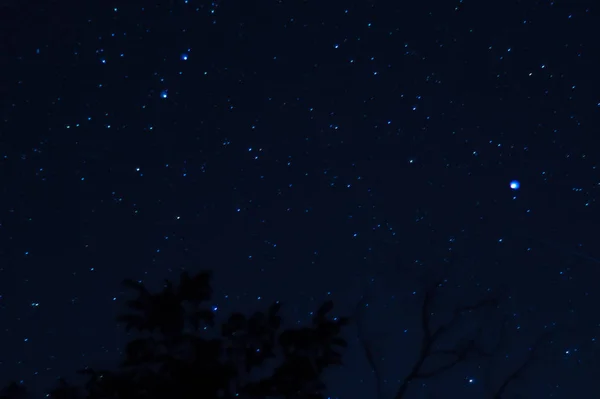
(174, 357)
(14, 391)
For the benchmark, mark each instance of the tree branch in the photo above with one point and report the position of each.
(519, 371)
(430, 339)
(367, 348)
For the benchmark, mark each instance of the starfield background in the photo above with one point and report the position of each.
(361, 152)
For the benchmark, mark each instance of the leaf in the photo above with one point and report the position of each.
(237, 322)
(324, 309)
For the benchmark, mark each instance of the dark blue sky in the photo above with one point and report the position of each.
(304, 150)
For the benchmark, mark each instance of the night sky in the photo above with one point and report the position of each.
(304, 151)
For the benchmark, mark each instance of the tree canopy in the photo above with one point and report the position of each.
(180, 352)
(175, 357)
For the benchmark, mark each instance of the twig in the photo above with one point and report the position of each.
(430, 338)
(519, 371)
(367, 349)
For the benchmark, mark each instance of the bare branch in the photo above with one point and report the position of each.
(519, 371)
(367, 348)
(430, 339)
(458, 312)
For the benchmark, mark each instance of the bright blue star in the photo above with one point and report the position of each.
(514, 184)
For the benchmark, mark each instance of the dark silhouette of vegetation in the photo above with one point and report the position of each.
(14, 391)
(435, 358)
(176, 358)
(175, 355)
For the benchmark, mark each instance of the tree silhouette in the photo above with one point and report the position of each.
(175, 357)
(181, 352)
(433, 347)
(14, 391)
